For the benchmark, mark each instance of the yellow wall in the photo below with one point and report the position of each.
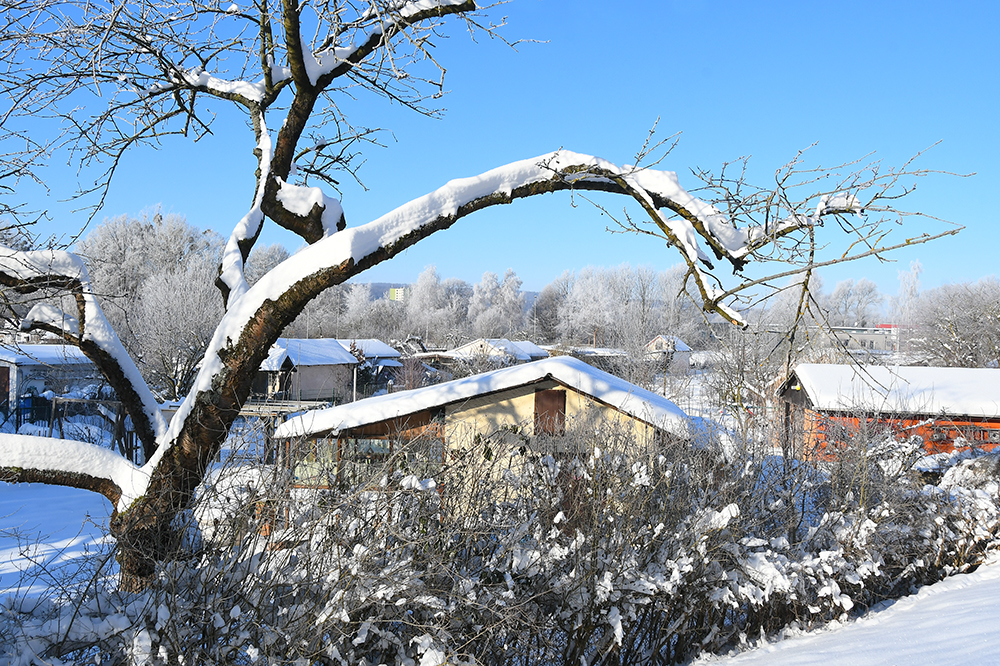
(516, 409)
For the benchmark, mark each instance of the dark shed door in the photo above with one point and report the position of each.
(550, 412)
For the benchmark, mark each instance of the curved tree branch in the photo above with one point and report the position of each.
(27, 272)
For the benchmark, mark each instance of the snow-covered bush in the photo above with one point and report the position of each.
(595, 549)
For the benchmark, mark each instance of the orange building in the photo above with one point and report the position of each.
(828, 406)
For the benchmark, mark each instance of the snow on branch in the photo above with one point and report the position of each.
(198, 78)
(234, 255)
(330, 63)
(44, 315)
(321, 63)
(411, 9)
(834, 204)
(354, 249)
(301, 201)
(39, 269)
(407, 9)
(72, 463)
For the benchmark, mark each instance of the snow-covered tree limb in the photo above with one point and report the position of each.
(27, 272)
(28, 459)
(287, 288)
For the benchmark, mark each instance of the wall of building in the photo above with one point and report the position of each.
(516, 409)
(825, 434)
(322, 382)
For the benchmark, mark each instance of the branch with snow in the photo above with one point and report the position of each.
(30, 271)
(337, 257)
(66, 462)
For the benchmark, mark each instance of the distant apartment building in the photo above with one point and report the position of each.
(859, 340)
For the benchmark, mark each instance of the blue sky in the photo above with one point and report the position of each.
(764, 79)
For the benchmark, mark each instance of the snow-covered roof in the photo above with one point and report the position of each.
(370, 347)
(43, 355)
(529, 348)
(495, 347)
(901, 390)
(598, 352)
(306, 352)
(631, 399)
(678, 344)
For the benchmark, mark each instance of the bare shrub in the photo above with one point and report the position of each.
(600, 547)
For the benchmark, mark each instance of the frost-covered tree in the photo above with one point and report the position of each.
(543, 317)
(903, 306)
(426, 305)
(854, 303)
(368, 317)
(176, 318)
(122, 253)
(322, 318)
(679, 314)
(959, 324)
(113, 76)
(509, 303)
(621, 306)
(457, 294)
(480, 303)
(263, 259)
(357, 306)
(589, 311)
(154, 274)
(496, 308)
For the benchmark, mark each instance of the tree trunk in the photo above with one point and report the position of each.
(146, 531)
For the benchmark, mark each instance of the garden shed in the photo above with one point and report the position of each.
(33, 369)
(532, 400)
(826, 405)
(307, 369)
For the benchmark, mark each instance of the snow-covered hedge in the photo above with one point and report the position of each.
(603, 551)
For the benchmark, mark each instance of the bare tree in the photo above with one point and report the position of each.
(117, 76)
(959, 324)
(496, 308)
(854, 303)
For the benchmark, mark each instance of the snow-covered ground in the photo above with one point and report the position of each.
(44, 529)
(953, 622)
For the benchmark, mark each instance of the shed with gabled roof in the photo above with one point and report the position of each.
(306, 369)
(535, 399)
(945, 407)
(35, 368)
